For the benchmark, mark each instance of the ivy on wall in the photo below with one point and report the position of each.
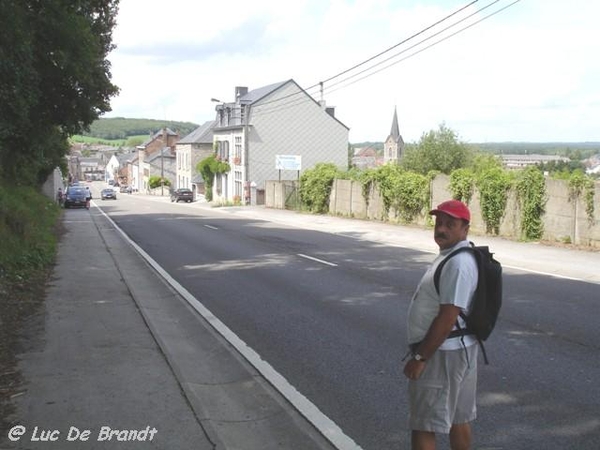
(461, 185)
(580, 184)
(494, 185)
(531, 193)
(406, 193)
(315, 187)
(208, 168)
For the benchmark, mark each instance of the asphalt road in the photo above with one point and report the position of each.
(328, 313)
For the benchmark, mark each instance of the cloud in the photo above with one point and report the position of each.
(246, 39)
(522, 74)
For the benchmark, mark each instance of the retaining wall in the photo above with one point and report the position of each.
(565, 219)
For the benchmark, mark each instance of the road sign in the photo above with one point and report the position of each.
(288, 162)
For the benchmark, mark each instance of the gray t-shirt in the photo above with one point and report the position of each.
(458, 282)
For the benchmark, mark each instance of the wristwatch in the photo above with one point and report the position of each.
(418, 357)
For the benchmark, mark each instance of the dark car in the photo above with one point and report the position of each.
(76, 196)
(108, 193)
(183, 194)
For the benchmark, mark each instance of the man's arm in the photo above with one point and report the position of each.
(438, 332)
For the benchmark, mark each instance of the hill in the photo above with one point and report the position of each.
(121, 128)
(573, 150)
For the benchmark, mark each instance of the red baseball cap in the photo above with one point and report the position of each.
(453, 208)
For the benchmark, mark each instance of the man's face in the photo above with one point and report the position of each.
(449, 231)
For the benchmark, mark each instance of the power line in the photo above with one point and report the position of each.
(415, 45)
(422, 49)
(317, 85)
(399, 43)
(281, 106)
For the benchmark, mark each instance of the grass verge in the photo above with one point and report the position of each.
(29, 232)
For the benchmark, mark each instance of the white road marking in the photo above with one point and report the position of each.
(211, 227)
(317, 260)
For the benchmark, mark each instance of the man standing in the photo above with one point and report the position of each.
(442, 371)
(60, 196)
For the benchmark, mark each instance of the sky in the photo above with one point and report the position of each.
(529, 73)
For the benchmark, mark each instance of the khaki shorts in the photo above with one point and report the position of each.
(445, 393)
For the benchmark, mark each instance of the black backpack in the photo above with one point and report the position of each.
(487, 299)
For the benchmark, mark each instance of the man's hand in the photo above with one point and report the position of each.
(413, 369)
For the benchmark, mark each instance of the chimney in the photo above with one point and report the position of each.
(240, 91)
(330, 110)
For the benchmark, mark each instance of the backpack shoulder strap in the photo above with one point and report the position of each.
(438, 270)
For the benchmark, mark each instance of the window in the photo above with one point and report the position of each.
(238, 148)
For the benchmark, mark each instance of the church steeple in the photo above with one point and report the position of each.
(394, 144)
(395, 132)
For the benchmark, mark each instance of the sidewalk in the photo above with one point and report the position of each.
(122, 362)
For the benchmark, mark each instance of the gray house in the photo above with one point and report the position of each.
(264, 129)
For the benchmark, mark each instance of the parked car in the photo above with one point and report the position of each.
(76, 196)
(183, 194)
(108, 193)
(126, 189)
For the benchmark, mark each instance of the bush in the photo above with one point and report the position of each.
(27, 224)
(155, 181)
(315, 186)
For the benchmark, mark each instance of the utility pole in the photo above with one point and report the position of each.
(246, 155)
(162, 163)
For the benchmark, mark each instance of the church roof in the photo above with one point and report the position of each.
(395, 131)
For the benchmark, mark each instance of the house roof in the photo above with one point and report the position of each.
(366, 151)
(90, 160)
(201, 135)
(123, 158)
(157, 134)
(256, 94)
(166, 153)
(259, 93)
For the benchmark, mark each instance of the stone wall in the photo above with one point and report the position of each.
(565, 219)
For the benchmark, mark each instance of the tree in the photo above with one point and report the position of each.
(53, 56)
(437, 150)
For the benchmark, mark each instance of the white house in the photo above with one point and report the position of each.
(190, 150)
(260, 125)
(112, 168)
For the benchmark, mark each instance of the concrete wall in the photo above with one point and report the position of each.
(54, 181)
(274, 191)
(565, 219)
